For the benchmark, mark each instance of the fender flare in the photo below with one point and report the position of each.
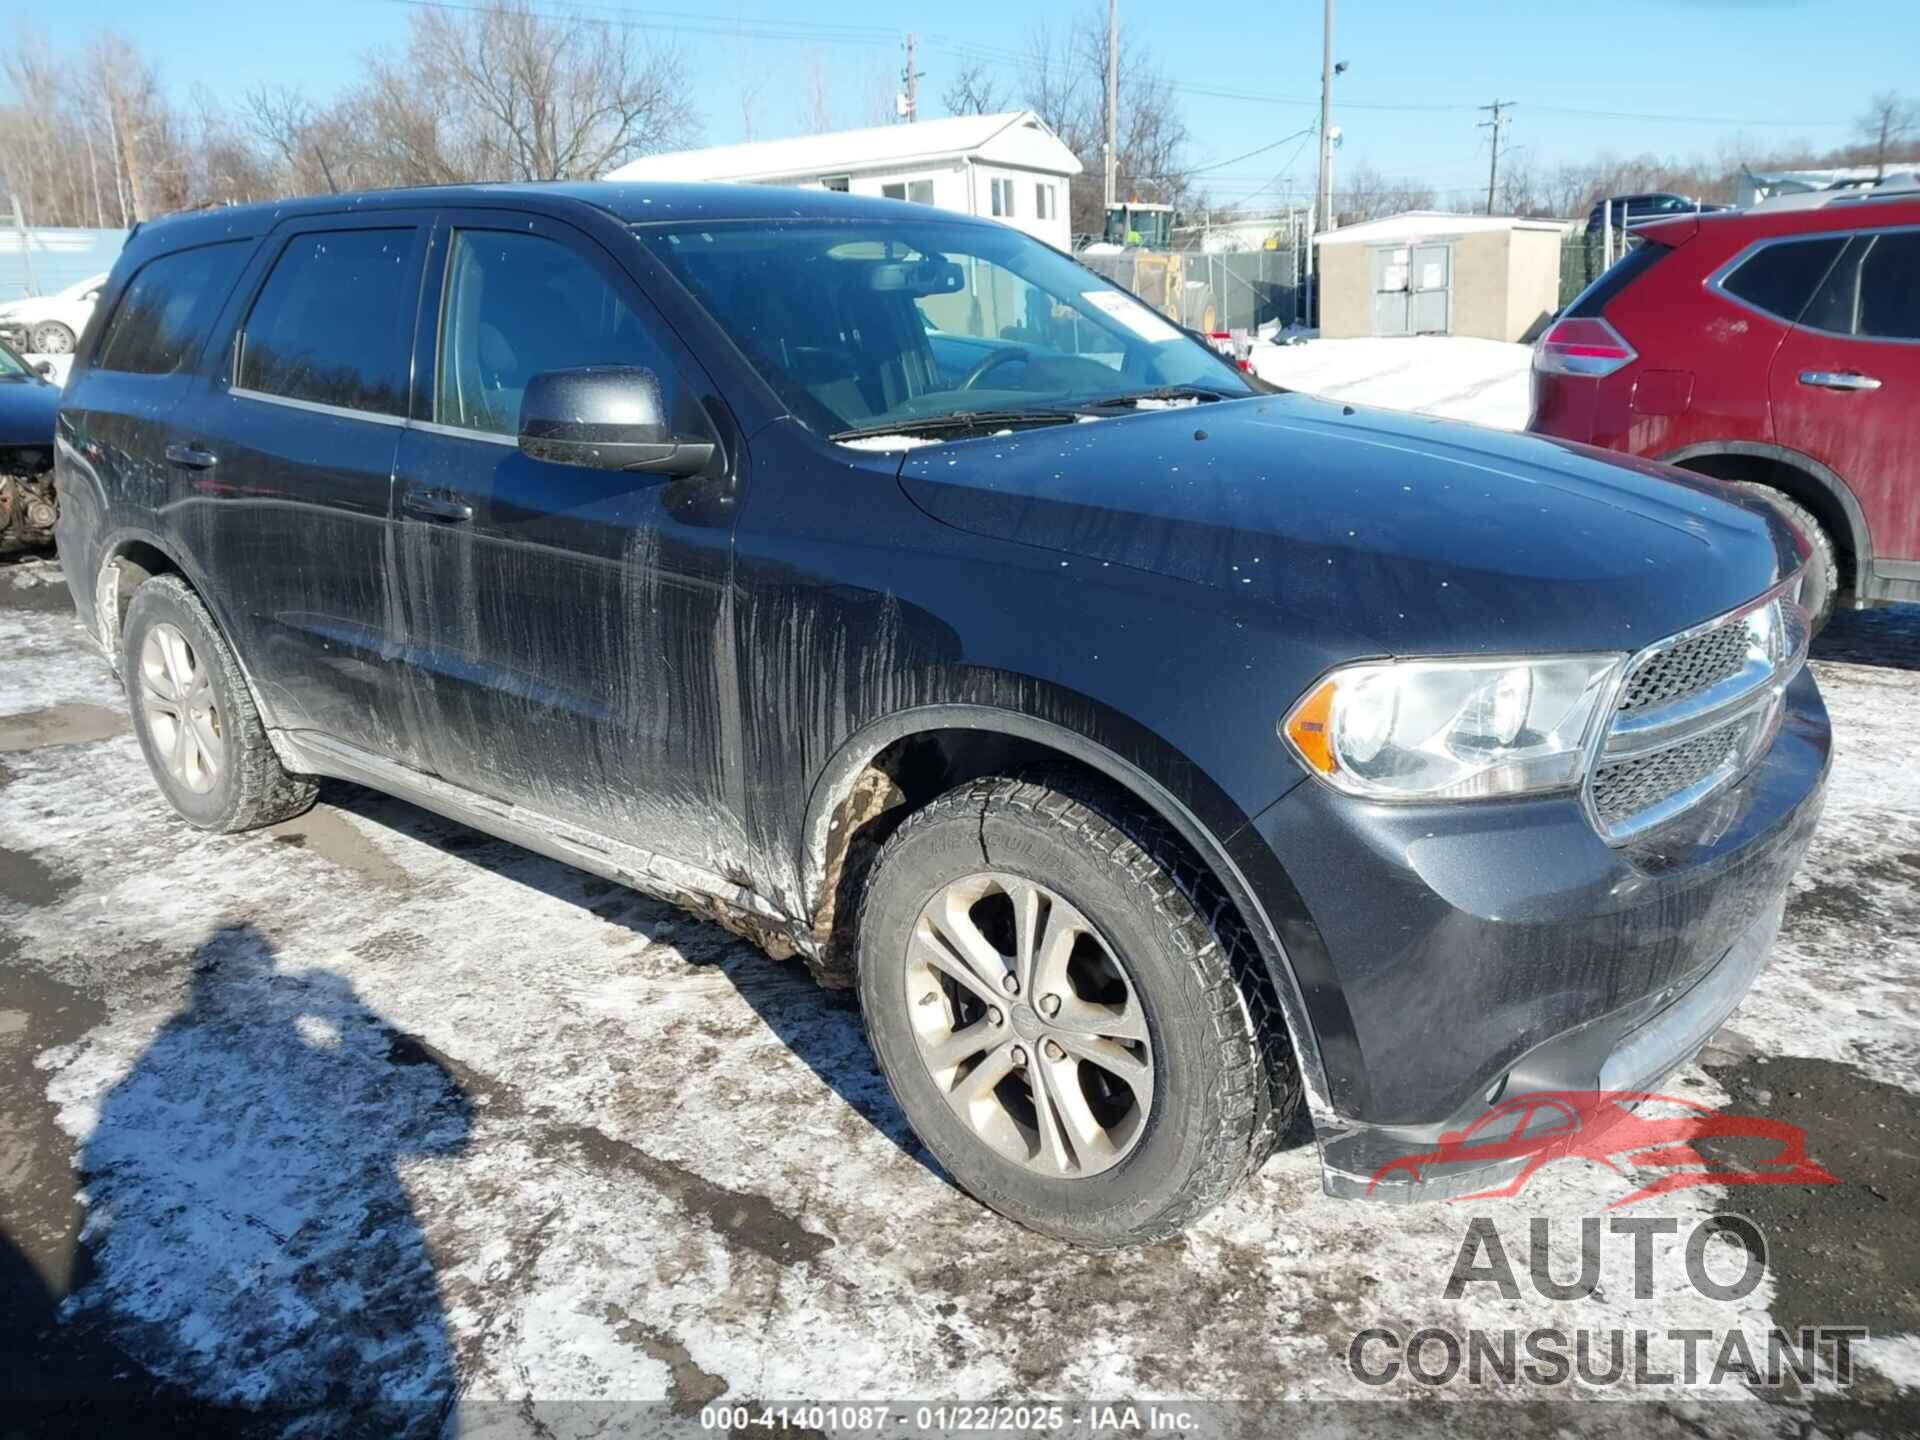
(112, 545)
(1859, 535)
(836, 780)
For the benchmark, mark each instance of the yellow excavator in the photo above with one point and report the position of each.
(1159, 271)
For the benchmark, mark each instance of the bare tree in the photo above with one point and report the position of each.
(506, 92)
(974, 91)
(816, 97)
(1065, 86)
(1365, 194)
(1888, 120)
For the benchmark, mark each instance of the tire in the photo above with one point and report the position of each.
(1823, 564)
(50, 337)
(1223, 1082)
(239, 783)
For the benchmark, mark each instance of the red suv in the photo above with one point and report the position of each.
(1778, 347)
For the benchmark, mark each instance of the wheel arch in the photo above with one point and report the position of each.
(131, 555)
(1799, 477)
(837, 823)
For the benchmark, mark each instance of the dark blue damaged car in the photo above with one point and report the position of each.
(1154, 752)
(27, 405)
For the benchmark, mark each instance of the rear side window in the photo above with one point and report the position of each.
(1874, 292)
(1890, 287)
(1781, 278)
(167, 308)
(333, 324)
(1592, 301)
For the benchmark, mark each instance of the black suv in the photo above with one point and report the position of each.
(1631, 210)
(1150, 749)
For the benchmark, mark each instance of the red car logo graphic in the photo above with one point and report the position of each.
(1602, 1126)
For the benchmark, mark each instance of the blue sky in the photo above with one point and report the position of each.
(1767, 71)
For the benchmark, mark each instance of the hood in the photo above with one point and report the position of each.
(27, 408)
(1389, 533)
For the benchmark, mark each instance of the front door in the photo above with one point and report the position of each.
(1430, 290)
(1389, 267)
(1845, 384)
(571, 627)
(289, 448)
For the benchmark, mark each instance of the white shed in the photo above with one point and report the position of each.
(1424, 272)
(1011, 167)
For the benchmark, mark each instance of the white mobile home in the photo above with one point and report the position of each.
(1010, 167)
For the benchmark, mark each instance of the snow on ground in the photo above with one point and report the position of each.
(370, 1108)
(1482, 381)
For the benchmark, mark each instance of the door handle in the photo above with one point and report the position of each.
(435, 507)
(191, 457)
(1838, 380)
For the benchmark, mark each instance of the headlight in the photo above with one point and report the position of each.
(1452, 729)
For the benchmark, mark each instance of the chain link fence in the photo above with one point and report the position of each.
(1234, 290)
(1584, 259)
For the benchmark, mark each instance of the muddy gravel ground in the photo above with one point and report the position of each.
(370, 1124)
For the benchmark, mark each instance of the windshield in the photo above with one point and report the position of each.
(868, 324)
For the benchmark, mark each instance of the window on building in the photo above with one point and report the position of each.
(168, 307)
(837, 183)
(333, 323)
(920, 192)
(1043, 201)
(1003, 198)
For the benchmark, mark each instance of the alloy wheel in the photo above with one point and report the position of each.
(183, 713)
(1030, 1025)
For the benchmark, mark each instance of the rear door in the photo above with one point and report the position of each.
(121, 400)
(1845, 384)
(571, 627)
(289, 448)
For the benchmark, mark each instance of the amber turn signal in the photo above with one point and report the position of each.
(1307, 728)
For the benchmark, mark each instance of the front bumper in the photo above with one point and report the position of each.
(1496, 949)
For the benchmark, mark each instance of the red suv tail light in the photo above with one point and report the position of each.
(1589, 347)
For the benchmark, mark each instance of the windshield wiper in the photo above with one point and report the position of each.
(960, 421)
(1200, 393)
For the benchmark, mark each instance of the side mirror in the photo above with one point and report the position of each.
(608, 417)
(43, 367)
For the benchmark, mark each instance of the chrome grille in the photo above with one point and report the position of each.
(1688, 668)
(1630, 787)
(1694, 712)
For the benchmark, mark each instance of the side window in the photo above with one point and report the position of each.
(1890, 287)
(1781, 278)
(518, 305)
(333, 322)
(168, 307)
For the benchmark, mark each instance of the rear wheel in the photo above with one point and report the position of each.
(1823, 566)
(196, 719)
(1060, 1012)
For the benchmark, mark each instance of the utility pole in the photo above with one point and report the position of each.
(1497, 108)
(1325, 192)
(1113, 99)
(911, 79)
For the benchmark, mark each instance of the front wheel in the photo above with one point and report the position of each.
(1063, 1024)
